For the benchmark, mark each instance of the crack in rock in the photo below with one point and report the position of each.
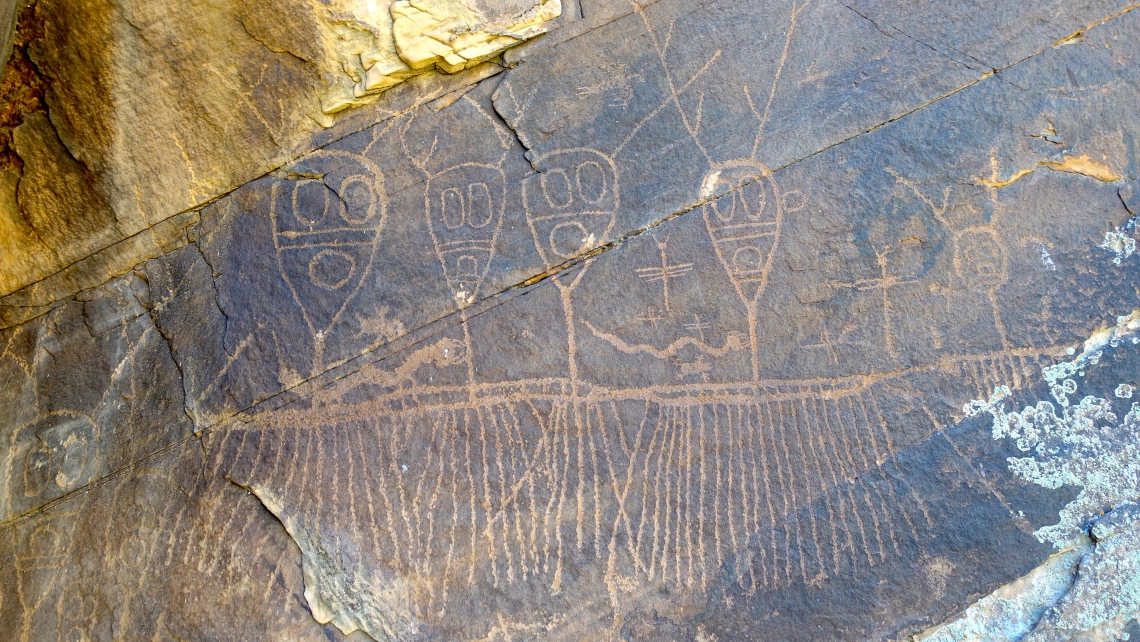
(348, 592)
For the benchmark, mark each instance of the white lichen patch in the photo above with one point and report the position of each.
(1010, 612)
(1120, 243)
(1084, 444)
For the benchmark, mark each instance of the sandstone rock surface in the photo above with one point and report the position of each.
(718, 321)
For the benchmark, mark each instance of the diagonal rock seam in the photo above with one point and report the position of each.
(341, 370)
(929, 46)
(197, 208)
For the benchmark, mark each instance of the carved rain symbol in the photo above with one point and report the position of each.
(465, 211)
(327, 220)
(744, 209)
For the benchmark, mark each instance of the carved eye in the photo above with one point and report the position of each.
(556, 188)
(74, 465)
(452, 202)
(753, 199)
(591, 180)
(357, 196)
(479, 200)
(725, 210)
(37, 470)
(310, 201)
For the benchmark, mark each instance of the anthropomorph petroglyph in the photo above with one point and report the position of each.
(658, 327)
(327, 220)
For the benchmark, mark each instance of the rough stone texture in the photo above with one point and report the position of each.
(147, 128)
(717, 321)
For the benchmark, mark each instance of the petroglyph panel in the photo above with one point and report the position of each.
(103, 563)
(89, 388)
(672, 332)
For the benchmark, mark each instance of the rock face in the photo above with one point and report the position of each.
(723, 321)
(192, 101)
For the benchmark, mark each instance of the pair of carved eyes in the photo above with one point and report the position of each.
(313, 201)
(589, 184)
(60, 455)
(474, 208)
(748, 198)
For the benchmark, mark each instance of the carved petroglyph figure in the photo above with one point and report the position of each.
(465, 211)
(327, 219)
(507, 484)
(664, 273)
(571, 206)
(487, 474)
(464, 203)
(743, 213)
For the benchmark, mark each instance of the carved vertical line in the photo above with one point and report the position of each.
(823, 459)
(503, 514)
(489, 529)
(564, 430)
(519, 478)
(689, 521)
(452, 431)
(757, 447)
(849, 478)
(471, 493)
(601, 427)
(657, 491)
(793, 518)
(772, 426)
(716, 495)
(703, 453)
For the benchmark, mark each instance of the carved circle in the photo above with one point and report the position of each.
(591, 182)
(556, 188)
(331, 269)
(357, 195)
(747, 259)
(567, 239)
(310, 201)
